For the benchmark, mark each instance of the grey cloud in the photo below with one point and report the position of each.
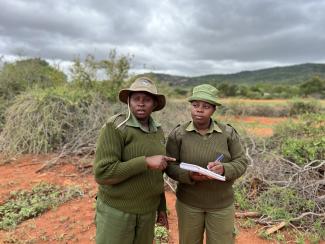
(183, 37)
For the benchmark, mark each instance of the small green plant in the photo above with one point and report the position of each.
(241, 199)
(319, 229)
(161, 235)
(283, 203)
(280, 238)
(246, 224)
(23, 205)
(300, 238)
(264, 235)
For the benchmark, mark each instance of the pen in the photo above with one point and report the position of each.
(219, 158)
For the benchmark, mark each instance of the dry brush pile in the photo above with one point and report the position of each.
(55, 120)
(285, 180)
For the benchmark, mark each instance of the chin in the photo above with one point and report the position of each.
(142, 116)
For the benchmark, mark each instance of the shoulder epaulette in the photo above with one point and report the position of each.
(175, 128)
(115, 119)
(230, 128)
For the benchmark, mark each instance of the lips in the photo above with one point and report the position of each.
(141, 112)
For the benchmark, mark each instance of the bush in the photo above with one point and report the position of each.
(3, 106)
(238, 108)
(303, 150)
(302, 140)
(175, 112)
(283, 203)
(43, 121)
(299, 107)
(21, 75)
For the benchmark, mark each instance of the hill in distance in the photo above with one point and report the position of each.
(289, 75)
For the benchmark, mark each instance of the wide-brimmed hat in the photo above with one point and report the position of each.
(143, 84)
(206, 93)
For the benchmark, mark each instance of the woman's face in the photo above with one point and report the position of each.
(141, 105)
(201, 112)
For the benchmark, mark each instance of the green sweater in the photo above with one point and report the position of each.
(187, 145)
(120, 158)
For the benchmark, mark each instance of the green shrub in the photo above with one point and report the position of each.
(238, 108)
(283, 203)
(241, 200)
(301, 140)
(298, 107)
(303, 150)
(25, 74)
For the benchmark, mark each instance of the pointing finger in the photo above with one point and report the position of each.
(169, 158)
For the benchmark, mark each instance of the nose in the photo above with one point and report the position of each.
(141, 103)
(199, 109)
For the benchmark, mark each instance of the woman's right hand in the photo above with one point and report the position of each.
(158, 162)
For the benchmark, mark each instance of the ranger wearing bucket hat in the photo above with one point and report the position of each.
(203, 203)
(130, 157)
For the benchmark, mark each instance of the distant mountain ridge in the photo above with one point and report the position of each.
(290, 75)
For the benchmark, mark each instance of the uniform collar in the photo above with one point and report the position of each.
(133, 122)
(213, 127)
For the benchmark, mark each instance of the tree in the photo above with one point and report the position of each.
(116, 69)
(228, 90)
(84, 74)
(106, 76)
(313, 86)
(23, 74)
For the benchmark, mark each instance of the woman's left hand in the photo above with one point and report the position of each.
(216, 167)
(162, 219)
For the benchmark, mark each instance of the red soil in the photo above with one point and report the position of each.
(262, 120)
(263, 126)
(71, 222)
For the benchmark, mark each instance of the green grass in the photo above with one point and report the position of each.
(22, 205)
(161, 235)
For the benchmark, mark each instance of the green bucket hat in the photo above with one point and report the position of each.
(143, 84)
(206, 93)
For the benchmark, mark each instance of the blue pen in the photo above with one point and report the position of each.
(219, 158)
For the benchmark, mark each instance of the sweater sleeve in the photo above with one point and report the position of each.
(108, 166)
(173, 170)
(238, 164)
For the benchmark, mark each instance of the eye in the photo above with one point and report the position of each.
(136, 98)
(147, 99)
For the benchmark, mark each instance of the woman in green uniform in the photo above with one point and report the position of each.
(205, 204)
(130, 158)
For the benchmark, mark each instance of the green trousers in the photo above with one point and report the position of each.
(116, 227)
(217, 223)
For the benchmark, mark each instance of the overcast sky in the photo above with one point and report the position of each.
(183, 37)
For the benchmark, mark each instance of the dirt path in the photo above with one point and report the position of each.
(71, 222)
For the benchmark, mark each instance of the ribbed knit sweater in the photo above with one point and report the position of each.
(120, 158)
(192, 147)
